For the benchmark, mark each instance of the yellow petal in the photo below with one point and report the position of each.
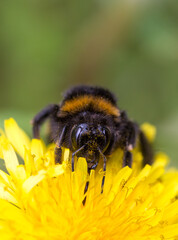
(33, 181)
(171, 211)
(4, 178)
(81, 169)
(161, 160)
(10, 158)
(91, 189)
(3, 139)
(149, 131)
(37, 148)
(29, 162)
(16, 136)
(7, 196)
(120, 179)
(21, 173)
(55, 171)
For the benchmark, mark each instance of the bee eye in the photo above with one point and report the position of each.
(77, 135)
(103, 139)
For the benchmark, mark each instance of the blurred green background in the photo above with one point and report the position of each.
(130, 47)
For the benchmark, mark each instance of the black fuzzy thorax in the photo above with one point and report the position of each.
(89, 90)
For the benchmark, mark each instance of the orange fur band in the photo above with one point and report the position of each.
(98, 104)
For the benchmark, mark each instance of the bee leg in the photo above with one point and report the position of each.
(104, 169)
(127, 160)
(87, 183)
(146, 149)
(85, 190)
(130, 136)
(58, 155)
(41, 117)
(58, 149)
(86, 187)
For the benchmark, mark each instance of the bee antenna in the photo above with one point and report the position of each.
(74, 153)
(104, 159)
(60, 139)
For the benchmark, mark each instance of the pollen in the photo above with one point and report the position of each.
(41, 200)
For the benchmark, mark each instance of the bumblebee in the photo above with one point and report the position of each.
(90, 124)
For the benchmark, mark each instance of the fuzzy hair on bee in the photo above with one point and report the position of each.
(89, 123)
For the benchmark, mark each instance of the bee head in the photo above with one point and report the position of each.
(93, 137)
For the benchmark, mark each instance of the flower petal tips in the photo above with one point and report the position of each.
(41, 200)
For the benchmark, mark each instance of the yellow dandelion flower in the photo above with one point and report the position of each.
(41, 200)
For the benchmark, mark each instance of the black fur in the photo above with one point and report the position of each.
(89, 90)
